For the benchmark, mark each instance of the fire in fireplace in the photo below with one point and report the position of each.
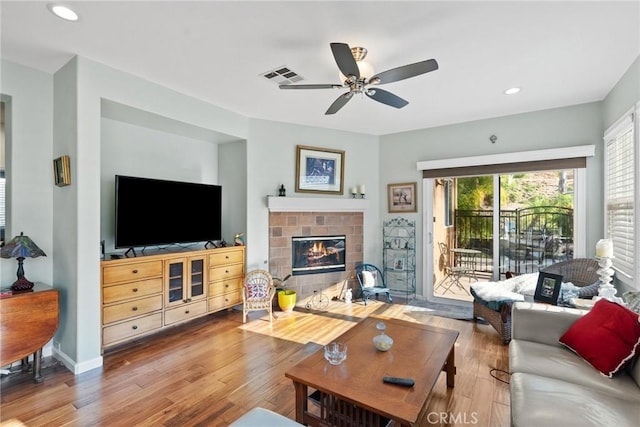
(318, 254)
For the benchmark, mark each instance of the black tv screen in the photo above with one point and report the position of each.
(151, 212)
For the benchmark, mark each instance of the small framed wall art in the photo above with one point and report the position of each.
(319, 170)
(548, 288)
(62, 171)
(402, 197)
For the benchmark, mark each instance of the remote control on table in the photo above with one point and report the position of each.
(406, 382)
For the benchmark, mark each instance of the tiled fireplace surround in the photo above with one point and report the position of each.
(283, 225)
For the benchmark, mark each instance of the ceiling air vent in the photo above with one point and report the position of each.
(282, 75)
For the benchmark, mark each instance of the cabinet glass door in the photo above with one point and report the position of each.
(176, 280)
(196, 280)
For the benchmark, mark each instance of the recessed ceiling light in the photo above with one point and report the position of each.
(63, 12)
(512, 91)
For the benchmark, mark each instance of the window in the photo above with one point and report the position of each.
(621, 196)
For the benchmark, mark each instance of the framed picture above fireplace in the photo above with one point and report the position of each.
(319, 170)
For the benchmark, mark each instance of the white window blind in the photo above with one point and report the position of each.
(620, 196)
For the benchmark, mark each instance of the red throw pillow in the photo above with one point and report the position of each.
(606, 337)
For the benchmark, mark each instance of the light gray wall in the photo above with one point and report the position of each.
(94, 83)
(233, 178)
(623, 96)
(66, 206)
(66, 222)
(271, 159)
(131, 150)
(561, 127)
(29, 168)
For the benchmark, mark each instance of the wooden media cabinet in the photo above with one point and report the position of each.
(148, 293)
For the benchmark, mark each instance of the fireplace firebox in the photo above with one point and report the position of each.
(318, 254)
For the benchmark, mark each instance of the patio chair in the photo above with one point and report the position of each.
(257, 293)
(582, 272)
(452, 273)
(371, 282)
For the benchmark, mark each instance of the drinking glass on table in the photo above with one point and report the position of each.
(335, 352)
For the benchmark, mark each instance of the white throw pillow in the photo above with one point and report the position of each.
(368, 279)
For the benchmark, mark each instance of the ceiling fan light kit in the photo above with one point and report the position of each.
(357, 81)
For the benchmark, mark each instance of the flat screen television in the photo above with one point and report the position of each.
(151, 212)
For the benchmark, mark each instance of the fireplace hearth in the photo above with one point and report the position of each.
(296, 222)
(317, 254)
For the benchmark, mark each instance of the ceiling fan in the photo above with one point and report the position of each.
(347, 59)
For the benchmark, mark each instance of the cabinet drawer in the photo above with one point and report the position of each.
(121, 331)
(224, 301)
(185, 312)
(221, 273)
(136, 289)
(130, 309)
(137, 271)
(228, 257)
(225, 286)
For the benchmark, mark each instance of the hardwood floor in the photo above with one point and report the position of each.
(211, 371)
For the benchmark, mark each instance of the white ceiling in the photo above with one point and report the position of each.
(560, 53)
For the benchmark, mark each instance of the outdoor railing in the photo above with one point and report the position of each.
(530, 238)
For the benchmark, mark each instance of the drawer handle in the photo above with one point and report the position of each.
(226, 285)
(226, 271)
(226, 257)
(135, 271)
(135, 289)
(186, 312)
(134, 327)
(135, 309)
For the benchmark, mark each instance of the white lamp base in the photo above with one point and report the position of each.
(606, 290)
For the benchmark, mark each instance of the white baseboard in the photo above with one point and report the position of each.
(75, 367)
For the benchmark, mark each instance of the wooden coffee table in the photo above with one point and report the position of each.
(354, 390)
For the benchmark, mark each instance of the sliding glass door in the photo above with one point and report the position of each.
(485, 226)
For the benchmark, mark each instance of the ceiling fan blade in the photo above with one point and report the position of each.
(344, 58)
(386, 97)
(312, 86)
(404, 72)
(339, 103)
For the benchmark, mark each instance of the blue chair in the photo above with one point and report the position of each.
(371, 282)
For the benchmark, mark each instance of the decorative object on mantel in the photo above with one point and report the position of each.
(358, 192)
(21, 247)
(319, 170)
(604, 255)
(282, 192)
(62, 171)
(402, 197)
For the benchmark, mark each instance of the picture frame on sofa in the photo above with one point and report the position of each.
(548, 288)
